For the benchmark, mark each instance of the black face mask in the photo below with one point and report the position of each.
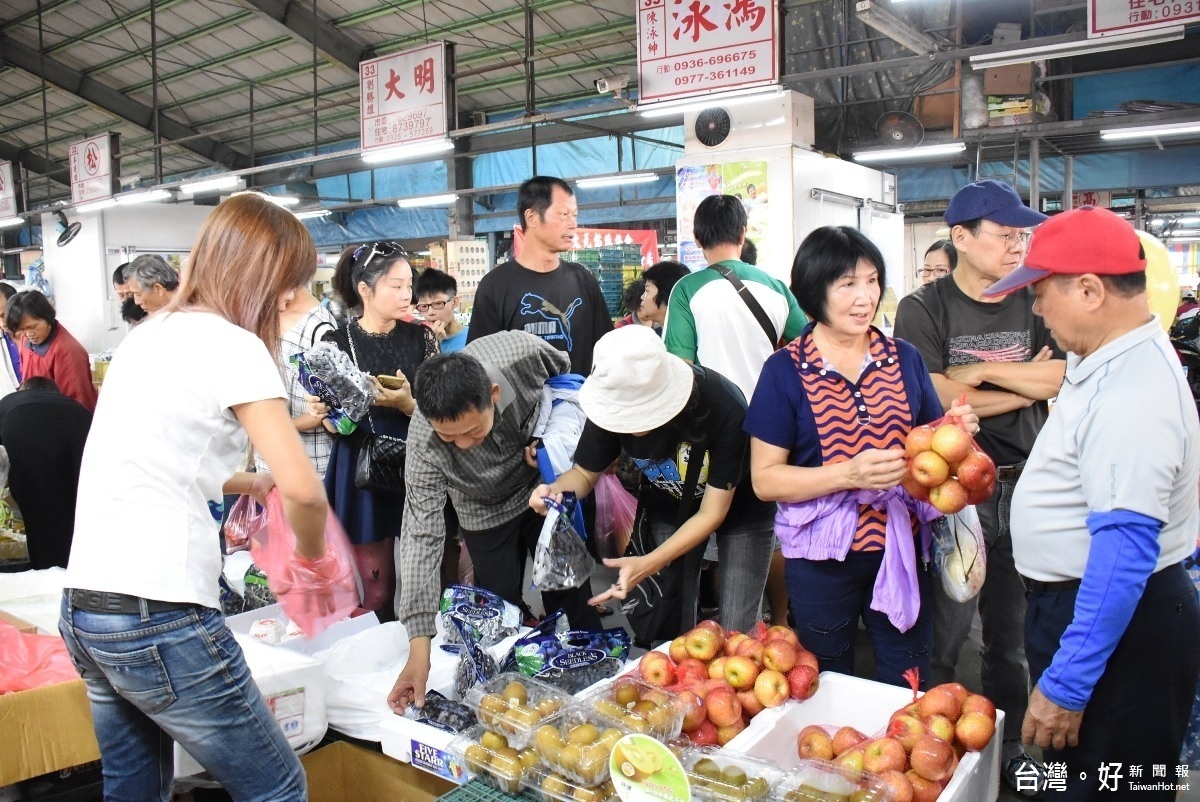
(131, 312)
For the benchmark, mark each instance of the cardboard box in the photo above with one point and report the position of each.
(1015, 79)
(240, 624)
(1015, 119)
(44, 730)
(21, 624)
(342, 772)
(845, 701)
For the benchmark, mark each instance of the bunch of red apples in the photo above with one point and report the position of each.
(946, 468)
(728, 678)
(922, 745)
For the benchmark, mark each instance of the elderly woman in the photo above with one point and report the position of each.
(376, 281)
(828, 423)
(50, 350)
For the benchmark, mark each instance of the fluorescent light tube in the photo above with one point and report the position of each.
(1083, 47)
(1150, 131)
(95, 206)
(11, 222)
(312, 214)
(723, 99)
(894, 28)
(147, 196)
(407, 151)
(428, 200)
(211, 184)
(282, 200)
(615, 180)
(906, 154)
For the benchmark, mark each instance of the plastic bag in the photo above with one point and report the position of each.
(475, 665)
(959, 554)
(245, 519)
(560, 558)
(313, 593)
(32, 661)
(568, 659)
(490, 618)
(946, 467)
(328, 372)
(442, 713)
(615, 510)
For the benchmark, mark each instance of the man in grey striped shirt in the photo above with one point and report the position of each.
(471, 439)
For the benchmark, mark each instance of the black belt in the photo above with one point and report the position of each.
(1009, 473)
(1037, 586)
(99, 601)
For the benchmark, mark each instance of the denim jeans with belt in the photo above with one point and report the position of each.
(745, 548)
(154, 679)
(1001, 603)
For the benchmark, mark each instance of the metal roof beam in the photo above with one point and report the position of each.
(15, 54)
(33, 162)
(298, 18)
(115, 24)
(191, 35)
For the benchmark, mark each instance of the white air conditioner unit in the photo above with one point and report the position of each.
(786, 119)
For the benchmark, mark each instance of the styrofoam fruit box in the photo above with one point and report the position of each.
(717, 775)
(242, 624)
(845, 701)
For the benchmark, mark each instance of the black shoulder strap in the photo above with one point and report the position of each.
(751, 302)
(691, 478)
(318, 330)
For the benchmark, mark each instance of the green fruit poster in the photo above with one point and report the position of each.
(643, 769)
(746, 181)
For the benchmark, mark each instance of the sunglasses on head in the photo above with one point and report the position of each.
(364, 254)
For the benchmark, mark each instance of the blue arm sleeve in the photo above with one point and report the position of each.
(1122, 557)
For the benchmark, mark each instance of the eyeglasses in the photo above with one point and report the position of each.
(384, 249)
(436, 306)
(936, 272)
(1012, 238)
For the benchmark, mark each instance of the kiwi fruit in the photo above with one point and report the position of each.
(515, 693)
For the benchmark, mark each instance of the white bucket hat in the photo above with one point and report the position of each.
(635, 385)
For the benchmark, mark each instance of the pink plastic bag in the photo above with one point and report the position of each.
(313, 593)
(32, 661)
(615, 510)
(244, 521)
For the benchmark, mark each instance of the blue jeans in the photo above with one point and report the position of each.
(828, 597)
(177, 676)
(1001, 602)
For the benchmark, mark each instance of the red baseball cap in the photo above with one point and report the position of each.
(1083, 240)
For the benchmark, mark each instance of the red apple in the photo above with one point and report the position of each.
(678, 649)
(852, 759)
(923, 790)
(733, 641)
(974, 730)
(708, 623)
(694, 712)
(958, 689)
(657, 669)
(883, 754)
(949, 497)
(751, 705)
(976, 471)
(716, 669)
(729, 732)
(929, 469)
(803, 681)
(909, 709)
(932, 758)
(919, 439)
(978, 703)
(750, 648)
(981, 494)
(899, 789)
(907, 730)
(940, 701)
(740, 672)
(914, 488)
(771, 687)
(806, 658)
(813, 743)
(778, 632)
(690, 671)
(704, 686)
(939, 725)
(705, 734)
(779, 655)
(723, 706)
(951, 443)
(703, 644)
(846, 738)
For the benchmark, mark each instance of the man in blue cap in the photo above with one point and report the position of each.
(998, 354)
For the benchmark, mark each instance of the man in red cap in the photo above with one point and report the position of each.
(1103, 517)
(998, 354)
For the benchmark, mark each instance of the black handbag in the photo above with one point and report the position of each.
(380, 464)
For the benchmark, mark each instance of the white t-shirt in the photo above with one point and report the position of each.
(163, 442)
(1123, 435)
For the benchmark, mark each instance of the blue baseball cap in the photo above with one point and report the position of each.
(991, 200)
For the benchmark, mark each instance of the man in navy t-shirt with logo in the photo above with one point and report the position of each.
(537, 292)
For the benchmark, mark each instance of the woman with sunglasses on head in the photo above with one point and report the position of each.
(376, 281)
